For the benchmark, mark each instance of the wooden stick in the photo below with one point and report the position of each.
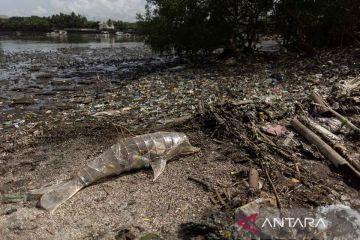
(274, 189)
(324, 148)
(205, 185)
(170, 203)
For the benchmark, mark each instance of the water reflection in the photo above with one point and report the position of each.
(59, 38)
(2, 57)
(52, 43)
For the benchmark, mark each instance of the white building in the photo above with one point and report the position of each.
(106, 26)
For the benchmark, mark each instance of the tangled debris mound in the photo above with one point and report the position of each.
(281, 156)
(280, 153)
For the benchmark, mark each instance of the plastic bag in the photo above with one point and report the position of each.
(138, 152)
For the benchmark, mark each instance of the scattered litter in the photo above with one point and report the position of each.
(221, 197)
(276, 130)
(176, 120)
(109, 113)
(254, 184)
(253, 207)
(240, 114)
(294, 180)
(177, 68)
(288, 139)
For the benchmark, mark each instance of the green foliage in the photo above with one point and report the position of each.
(68, 21)
(316, 23)
(121, 25)
(58, 21)
(32, 23)
(201, 26)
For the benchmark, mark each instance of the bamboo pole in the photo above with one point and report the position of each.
(325, 107)
(322, 108)
(333, 140)
(325, 149)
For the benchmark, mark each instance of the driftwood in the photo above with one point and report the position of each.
(324, 148)
(324, 107)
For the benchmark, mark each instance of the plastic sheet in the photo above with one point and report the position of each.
(138, 152)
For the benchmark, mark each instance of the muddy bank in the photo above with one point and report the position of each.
(56, 80)
(49, 144)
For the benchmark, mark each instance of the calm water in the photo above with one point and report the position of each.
(47, 44)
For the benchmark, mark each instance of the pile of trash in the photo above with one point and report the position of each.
(278, 153)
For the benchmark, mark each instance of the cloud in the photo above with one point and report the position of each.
(115, 9)
(13, 12)
(92, 9)
(39, 11)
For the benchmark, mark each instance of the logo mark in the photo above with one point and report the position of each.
(252, 219)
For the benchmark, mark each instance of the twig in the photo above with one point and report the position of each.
(274, 189)
(205, 185)
(298, 170)
(122, 127)
(212, 199)
(117, 130)
(84, 93)
(106, 191)
(170, 203)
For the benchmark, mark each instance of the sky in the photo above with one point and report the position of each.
(93, 9)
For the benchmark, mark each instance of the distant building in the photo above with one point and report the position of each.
(106, 26)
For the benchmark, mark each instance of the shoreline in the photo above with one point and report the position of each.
(52, 144)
